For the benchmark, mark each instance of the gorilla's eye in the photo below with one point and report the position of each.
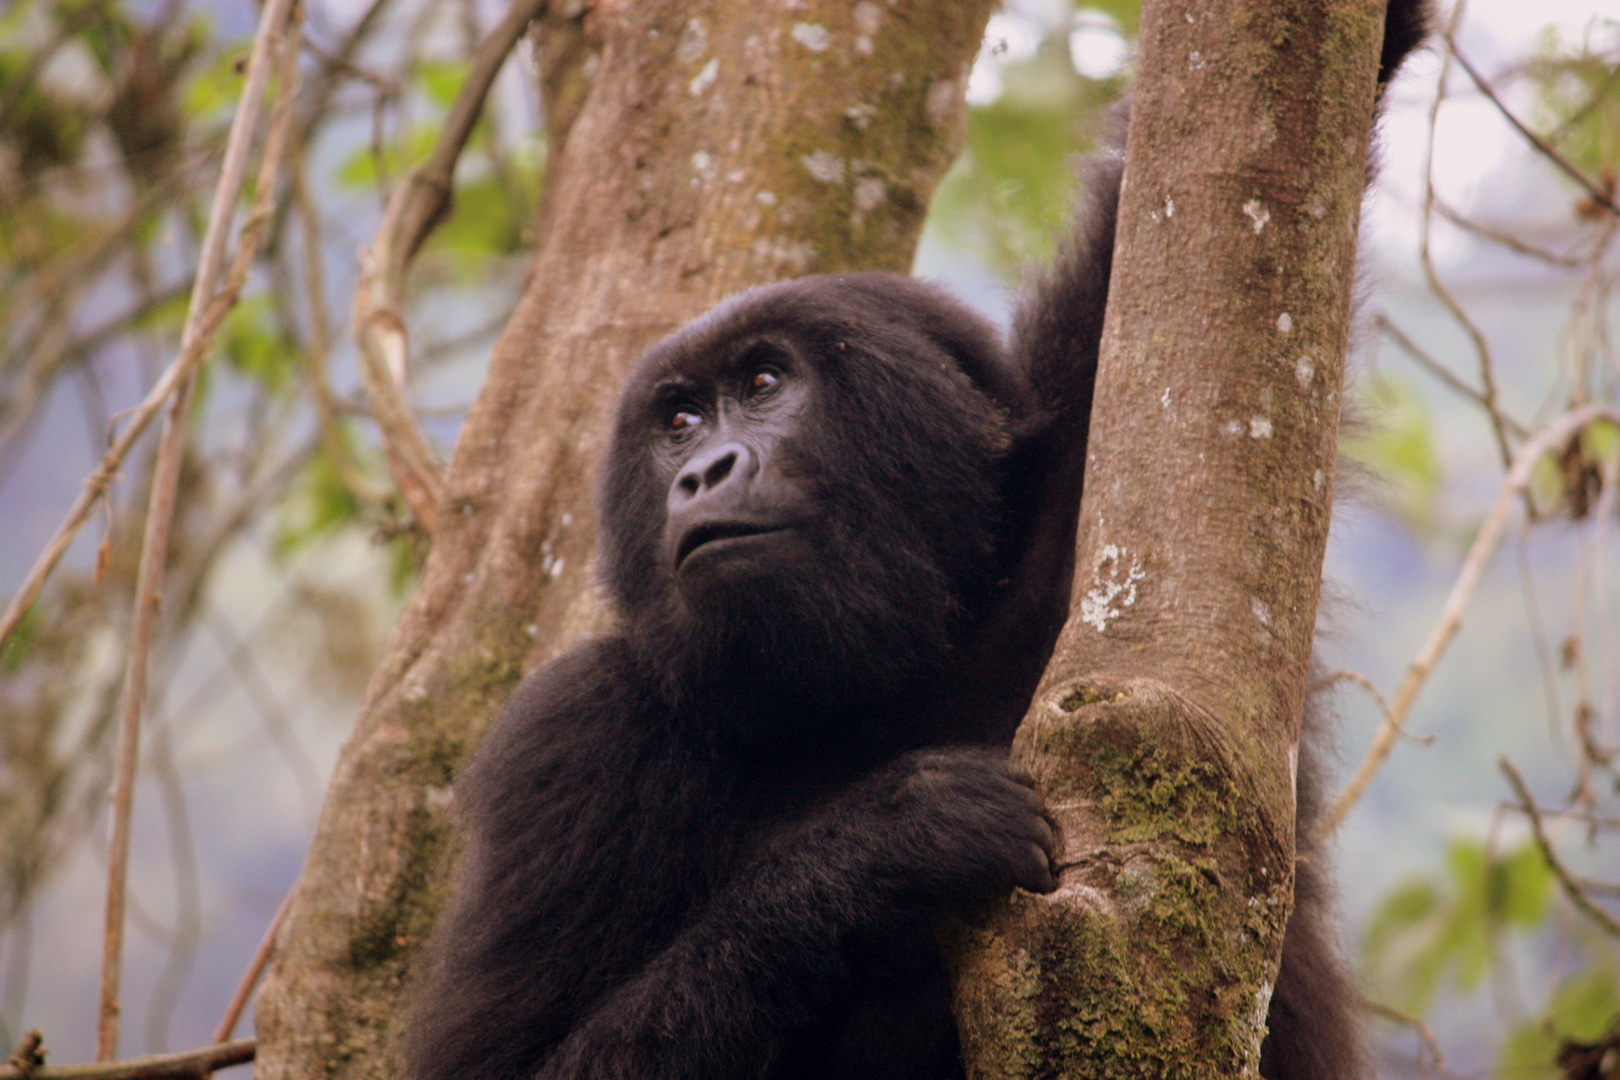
(683, 419)
(764, 381)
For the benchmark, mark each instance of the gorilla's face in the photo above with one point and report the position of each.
(803, 491)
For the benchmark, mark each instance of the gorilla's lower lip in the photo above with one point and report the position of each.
(703, 535)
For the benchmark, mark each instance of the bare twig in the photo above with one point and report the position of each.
(1430, 1043)
(281, 18)
(250, 977)
(1437, 369)
(1576, 895)
(1548, 440)
(1507, 240)
(28, 1056)
(1372, 691)
(183, 1066)
(333, 444)
(1564, 164)
(415, 209)
(1426, 259)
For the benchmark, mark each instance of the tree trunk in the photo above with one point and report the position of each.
(1166, 731)
(697, 149)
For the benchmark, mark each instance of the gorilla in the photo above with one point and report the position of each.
(838, 523)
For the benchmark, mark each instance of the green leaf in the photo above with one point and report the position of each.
(441, 80)
(1521, 887)
(319, 503)
(254, 344)
(1582, 1008)
(1427, 929)
(214, 90)
(360, 170)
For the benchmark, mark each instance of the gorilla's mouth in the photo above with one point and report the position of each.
(714, 531)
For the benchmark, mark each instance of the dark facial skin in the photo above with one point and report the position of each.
(732, 510)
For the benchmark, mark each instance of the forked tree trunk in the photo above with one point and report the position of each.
(697, 148)
(1166, 730)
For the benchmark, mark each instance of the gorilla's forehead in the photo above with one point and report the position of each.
(877, 315)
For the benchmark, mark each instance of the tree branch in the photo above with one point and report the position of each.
(1548, 440)
(1547, 151)
(277, 35)
(416, 208)
(188, 1065)
(1576, 895)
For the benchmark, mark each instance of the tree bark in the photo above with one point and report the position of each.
(697, 149)
(1166, 731)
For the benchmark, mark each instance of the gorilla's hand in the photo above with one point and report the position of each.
(954, 825)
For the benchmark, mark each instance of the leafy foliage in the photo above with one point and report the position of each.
(1452, 924)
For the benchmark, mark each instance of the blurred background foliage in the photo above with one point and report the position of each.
(292, 550)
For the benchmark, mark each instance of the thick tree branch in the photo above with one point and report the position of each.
(417, 206)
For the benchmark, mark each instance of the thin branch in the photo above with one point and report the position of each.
(415, 209)
(1548, 440)
(1372, 691)
(255, 968)
(282, 19)
(183, 1066)
(29, 1054)
(1482, 348)
(1507, 240)
(1416, 1023)
(1439, 370)
(1571, 889)
(1547, 151)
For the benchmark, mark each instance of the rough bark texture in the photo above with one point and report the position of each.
(697, 149)
(1166, 730)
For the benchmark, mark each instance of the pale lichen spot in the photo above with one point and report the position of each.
(1259, 427)
(1304, 371)
(1285, 323)
(868, 194)
(812, 36)
(766, 198)
(1316, 479)
(1164, 398)
(943, 98)
(1257, 213)
(1113, 587)
(705, 78)
(1262, 613)
(867, 17)
(694, 42)
(1318, 211)
(703, 164)
(828, 168)
(1195, 61)
(1169, 208)
(863, 44)
(796, 256)
(1232, 428)
(860, 116)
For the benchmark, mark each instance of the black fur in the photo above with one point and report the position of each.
(838, 521)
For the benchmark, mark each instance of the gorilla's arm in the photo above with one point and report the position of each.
(768, 955)
(629, 921)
